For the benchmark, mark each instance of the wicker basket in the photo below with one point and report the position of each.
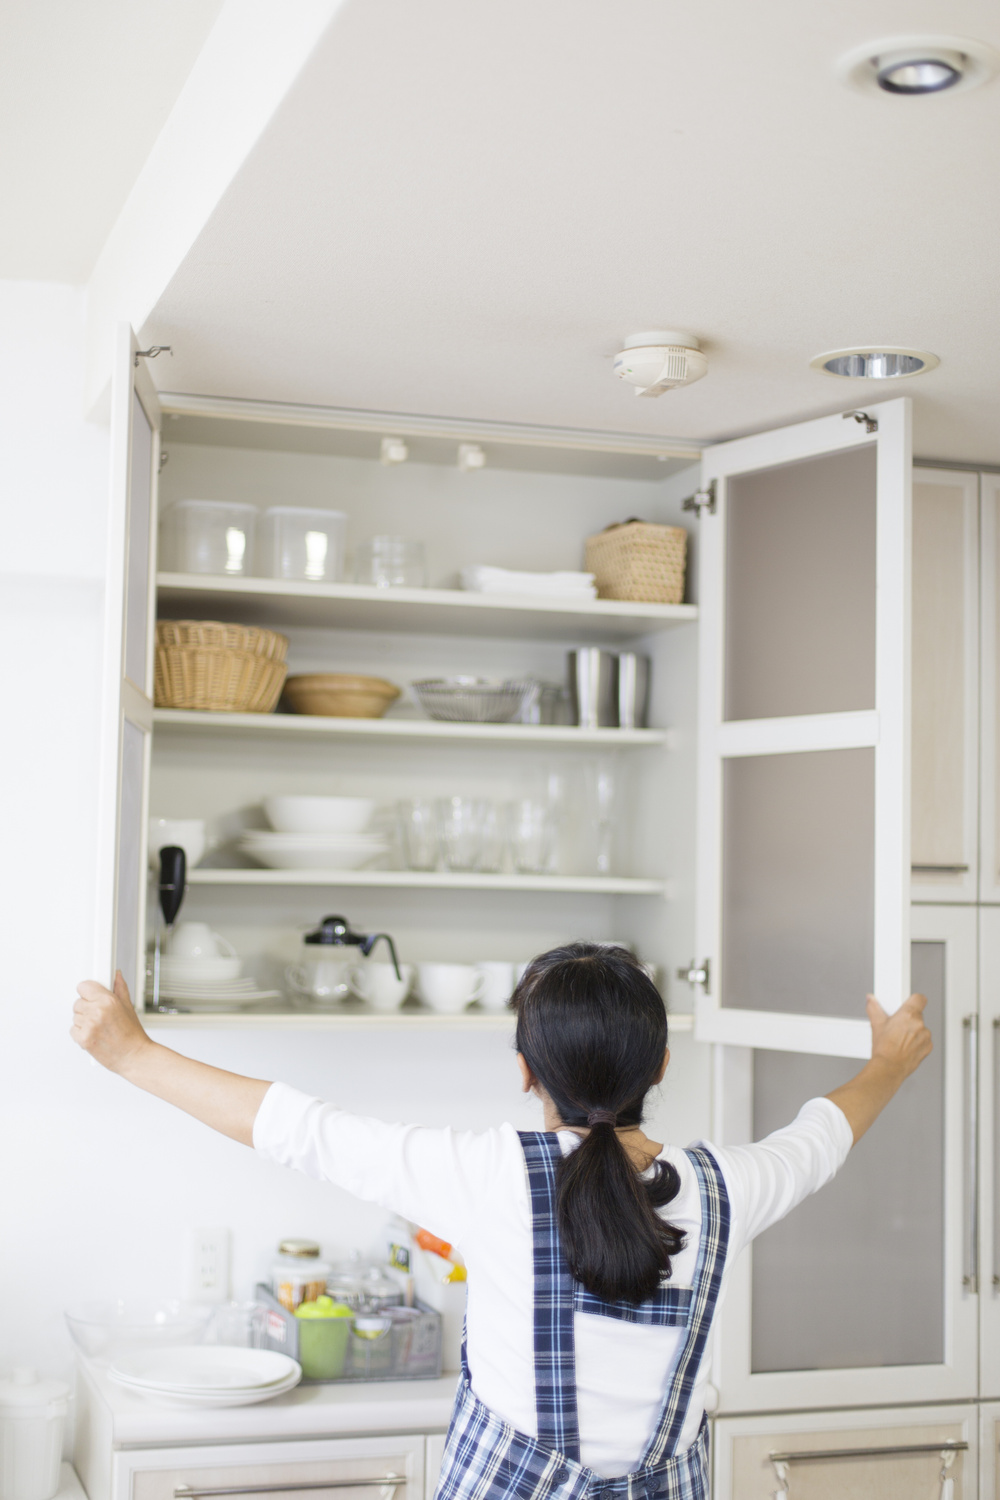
(639, 561)
(203, 664)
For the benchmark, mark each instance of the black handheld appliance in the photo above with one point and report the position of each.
(173, 879)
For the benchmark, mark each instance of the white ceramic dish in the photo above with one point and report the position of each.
(323, 854)
(200, 970)
(205, 1368)
(205, 1402)
(319, 814)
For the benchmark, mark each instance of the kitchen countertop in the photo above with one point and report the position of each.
(308, 1411)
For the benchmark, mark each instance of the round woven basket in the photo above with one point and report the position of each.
(639, 561)
(203, 664)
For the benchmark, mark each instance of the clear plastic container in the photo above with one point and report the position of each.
(298, 1275)
(32, 1417)
(391, 562)
(303, 544)
(208, 536)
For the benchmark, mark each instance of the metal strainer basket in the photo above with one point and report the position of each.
(472, 700)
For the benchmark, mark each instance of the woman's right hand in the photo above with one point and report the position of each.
(105, 1024)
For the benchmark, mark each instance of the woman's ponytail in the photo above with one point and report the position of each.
(593, 1030)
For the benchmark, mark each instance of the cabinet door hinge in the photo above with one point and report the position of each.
(151, 352)
(703, 499)
(871, 423)
(696, 973)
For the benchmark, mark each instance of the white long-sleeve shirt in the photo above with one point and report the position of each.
(471, 1189)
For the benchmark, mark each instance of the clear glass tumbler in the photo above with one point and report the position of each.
(493, 848)
(391, 562)
(418, 829)
(533, 836)
(460, 829)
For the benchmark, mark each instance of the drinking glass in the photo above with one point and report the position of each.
(460, 829)
(418, 827)
(493, 834)
(533, 836)
(391, 562)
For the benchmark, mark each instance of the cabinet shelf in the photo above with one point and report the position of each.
(679, 1021)
(356, 606)
(297, 726)
(438, 880)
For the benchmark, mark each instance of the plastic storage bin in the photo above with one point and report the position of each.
(400, 1343)
(302, 544)
(208, 536)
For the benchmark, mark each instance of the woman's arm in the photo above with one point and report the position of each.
(105, 1025)
(900, 1043)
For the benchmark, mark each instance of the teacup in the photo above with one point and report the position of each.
(377, 983)
(321, 980)
(450, 987)
(197, 940)
(187, 833)
(498, 983)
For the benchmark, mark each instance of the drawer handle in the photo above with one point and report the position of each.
(949, 1445)
(939, 869)
(185, 1492)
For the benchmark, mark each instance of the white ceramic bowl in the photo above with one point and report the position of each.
(188, 833)
(319, 814)
(319, 856)
(199, 970)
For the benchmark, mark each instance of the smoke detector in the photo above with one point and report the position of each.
(660, 361)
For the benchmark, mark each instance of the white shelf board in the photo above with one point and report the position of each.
(438, 880)
(299, 725)
(413, 1020)
(358, 606)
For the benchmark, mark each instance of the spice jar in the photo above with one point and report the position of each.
(298, 1275)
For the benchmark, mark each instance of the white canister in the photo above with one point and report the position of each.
(32, 1417)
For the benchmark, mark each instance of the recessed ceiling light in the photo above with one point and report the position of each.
(866, 363)
(913, 65)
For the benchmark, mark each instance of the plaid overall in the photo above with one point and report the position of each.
(485, 1458)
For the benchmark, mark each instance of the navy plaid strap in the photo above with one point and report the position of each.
(712, 1246)
(555, 1351)
(670, 1307)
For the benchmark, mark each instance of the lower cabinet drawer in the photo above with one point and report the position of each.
(377, 1468)
(861, 1455)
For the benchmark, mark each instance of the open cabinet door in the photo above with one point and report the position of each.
(130, 604)
(803, 784)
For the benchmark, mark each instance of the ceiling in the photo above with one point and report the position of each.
(84, 91)
(461, 209)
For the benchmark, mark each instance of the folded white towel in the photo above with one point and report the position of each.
(482, 579)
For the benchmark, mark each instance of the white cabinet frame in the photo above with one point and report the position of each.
(956, 1377)
(127, 693)
(989, 533)
(944, 884)
(886, 728)
(989, 1151)
(989, 1451)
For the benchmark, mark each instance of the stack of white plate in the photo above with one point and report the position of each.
(206, 1375)
(207, 983)
(312, 851)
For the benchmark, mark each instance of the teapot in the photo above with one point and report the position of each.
(323, 975)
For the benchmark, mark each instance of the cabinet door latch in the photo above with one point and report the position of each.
(871, 423)
(696, 973)
(703, 499)
(151, 352)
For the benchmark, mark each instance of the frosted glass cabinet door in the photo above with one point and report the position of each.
(866, 1291)
(989, 760)
(989, 1158)
(945, 792)
(989, 1451)
(803, 735)
(128, 676)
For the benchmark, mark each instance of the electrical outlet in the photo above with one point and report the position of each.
(206, 1265)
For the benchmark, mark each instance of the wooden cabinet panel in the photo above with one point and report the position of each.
(743, 1468)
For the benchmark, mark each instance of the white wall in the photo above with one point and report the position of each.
(99, 1182)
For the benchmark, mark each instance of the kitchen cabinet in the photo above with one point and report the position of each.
(369, 1468)
(945, 734)
(891, 1454)
(867, 1292)
(989, 1451)
(988, 1165)
(989, 877)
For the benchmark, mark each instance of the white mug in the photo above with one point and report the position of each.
(377, 983)
(450, 987)
(197, 940)
(320, 979)
(187, 833)
(498, 984)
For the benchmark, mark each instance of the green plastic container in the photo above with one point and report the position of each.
(324, 1328)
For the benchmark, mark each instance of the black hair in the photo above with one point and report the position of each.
(593, 1030)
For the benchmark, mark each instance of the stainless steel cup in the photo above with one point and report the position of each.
(593, 678)
(633, 690)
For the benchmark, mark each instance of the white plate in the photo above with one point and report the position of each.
(314, 840)
(212, 1399)
(323, 858)
(211, 1368)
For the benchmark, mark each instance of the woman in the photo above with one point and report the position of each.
(596, 1256)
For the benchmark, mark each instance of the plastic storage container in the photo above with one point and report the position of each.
(298, 1275)
(208, 536)
(32, 1417)
(302, 544)
(398, 1343)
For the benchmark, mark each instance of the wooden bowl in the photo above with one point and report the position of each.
(339, 695)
